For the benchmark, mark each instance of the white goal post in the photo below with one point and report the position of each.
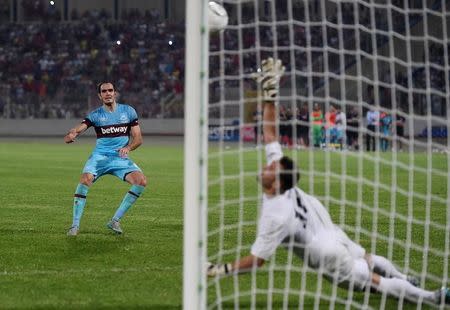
(195, 156)
(387, 186)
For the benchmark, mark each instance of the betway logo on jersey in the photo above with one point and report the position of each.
(112, 131)
(109, 130)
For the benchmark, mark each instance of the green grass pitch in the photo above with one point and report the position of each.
(40, 267)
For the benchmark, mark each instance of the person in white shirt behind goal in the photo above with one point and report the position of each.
(299, 222)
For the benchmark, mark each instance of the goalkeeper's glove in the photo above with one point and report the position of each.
(269, 77)
(218, 269)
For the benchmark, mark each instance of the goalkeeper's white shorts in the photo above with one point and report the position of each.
(339, 259)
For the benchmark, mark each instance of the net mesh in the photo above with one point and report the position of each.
(387, 186)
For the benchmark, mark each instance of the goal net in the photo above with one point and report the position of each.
(383, 174)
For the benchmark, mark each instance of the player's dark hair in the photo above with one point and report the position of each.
(99, 86)
(289, 174)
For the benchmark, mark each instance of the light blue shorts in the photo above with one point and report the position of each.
(99, 165)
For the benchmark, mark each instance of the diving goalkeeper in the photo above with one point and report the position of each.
(300, 223)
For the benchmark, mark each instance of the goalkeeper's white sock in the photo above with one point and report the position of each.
(398, 288)
(384, 267)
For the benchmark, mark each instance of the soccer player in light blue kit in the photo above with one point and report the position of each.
(118, 133)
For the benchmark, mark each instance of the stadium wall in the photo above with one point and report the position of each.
(59, 127)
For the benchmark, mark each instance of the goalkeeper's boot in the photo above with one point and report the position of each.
(115, 226)
(413, 280)
(73, 231)
(442, 296)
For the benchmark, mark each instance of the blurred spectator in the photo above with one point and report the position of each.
(373, 122)
(399, 134)
(385, 130)
(329, 127)
(353, 119)
(341, 127)
(303, 126)
(317, 123)
(285, 125)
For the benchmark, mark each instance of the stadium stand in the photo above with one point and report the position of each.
(144, 53)
(61, 61)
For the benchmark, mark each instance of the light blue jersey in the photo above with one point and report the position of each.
(112, 128)
(113, 133)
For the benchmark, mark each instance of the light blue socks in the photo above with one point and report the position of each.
(129, 199)
(79, 202)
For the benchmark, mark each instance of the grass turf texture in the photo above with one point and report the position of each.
(41, 267)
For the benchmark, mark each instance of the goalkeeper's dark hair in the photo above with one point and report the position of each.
(289, 175)
(99, 86)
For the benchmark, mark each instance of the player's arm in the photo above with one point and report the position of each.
(135, 141)
(243, 265)
(270, 234)
(75, 132)
(269, 116)
(269, 78)
(136, 138)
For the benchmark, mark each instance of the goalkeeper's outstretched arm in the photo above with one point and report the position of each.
(271, 72)
(269, 125)
(243, 265)
(269, 78)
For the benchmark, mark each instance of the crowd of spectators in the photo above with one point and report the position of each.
(339, 127)
(311, 32)
(318, 46)
(60, 62)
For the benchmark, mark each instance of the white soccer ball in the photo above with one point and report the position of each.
(217, 16)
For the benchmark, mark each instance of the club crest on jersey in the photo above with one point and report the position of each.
(123, 118)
